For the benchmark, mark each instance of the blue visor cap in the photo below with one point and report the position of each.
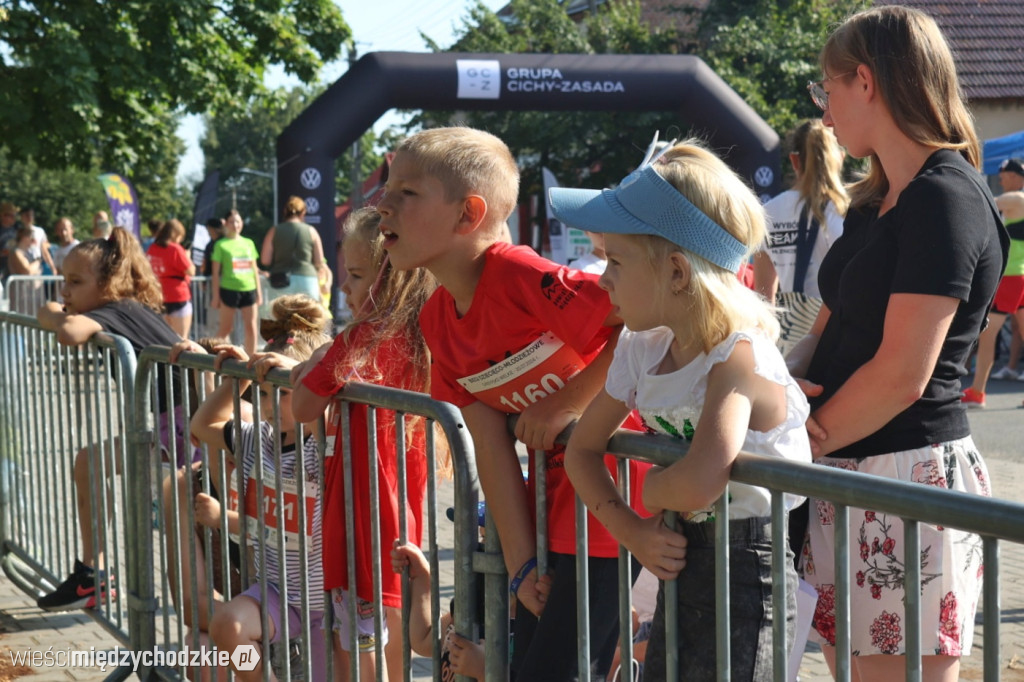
(645, 203)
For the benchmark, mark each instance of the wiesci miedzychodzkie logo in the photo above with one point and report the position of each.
(557, 290)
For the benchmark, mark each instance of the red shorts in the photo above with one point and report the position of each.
(1009, 295)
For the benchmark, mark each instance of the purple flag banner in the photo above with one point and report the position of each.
(124, 204)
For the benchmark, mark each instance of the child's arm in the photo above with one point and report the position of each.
(697, 480)
(421, 630)
(307, 405)
(540, 423)
(501, 478)
(72, 330)
(217, 410)
(661, 550)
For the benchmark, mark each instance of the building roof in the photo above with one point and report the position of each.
(987, 39)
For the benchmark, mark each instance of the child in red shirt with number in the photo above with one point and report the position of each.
(383, 345)
(510, 332)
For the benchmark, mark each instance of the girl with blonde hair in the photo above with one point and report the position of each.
(698, 361)
(803, 223)
(382, 345)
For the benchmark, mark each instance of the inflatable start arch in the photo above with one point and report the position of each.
(380, 81)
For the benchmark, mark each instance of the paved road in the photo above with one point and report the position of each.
(999, 428)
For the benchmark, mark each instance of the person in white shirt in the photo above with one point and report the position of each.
(804, 222)
(64, 231)
(40, 242)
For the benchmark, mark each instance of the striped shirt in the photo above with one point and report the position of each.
(294, 571)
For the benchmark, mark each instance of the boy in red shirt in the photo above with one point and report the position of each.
(510, 332)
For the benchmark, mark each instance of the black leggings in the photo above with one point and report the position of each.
(546, 649)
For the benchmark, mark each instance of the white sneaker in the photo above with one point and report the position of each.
(1006, 374)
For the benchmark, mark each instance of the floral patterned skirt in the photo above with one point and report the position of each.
(951, 560)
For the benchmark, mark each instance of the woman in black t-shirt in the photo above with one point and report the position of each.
(906, 290)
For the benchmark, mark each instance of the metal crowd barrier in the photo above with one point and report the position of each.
(994, 520)
(64, 398)
(168, 606)
(25, 293)
(58, 400)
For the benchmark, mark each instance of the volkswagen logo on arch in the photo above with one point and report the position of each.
(310, 178)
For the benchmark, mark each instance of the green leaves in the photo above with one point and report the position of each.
(592, 148)
(102, 83)
(768, 50)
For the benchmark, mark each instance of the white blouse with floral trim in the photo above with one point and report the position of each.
(672, 404)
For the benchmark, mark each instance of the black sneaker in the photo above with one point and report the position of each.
(77, 592)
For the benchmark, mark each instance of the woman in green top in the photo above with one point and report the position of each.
(293, 254)
(236, 283)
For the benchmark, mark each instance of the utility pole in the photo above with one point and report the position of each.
(357, 183)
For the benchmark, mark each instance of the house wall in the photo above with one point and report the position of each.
(996, 118)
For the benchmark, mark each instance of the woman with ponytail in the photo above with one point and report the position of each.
(803, 223)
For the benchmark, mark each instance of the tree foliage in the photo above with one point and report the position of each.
(592, 147)
(768, 50)
(247, 139)
(53, 194)
(98, 84)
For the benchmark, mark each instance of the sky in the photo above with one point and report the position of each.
(381, 25)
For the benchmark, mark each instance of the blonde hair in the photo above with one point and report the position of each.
(122, 269)
(721, 304)
(915, 74)
(468, 161)
(298, 326)
(393, 309)
(394, 301)
(820, 179)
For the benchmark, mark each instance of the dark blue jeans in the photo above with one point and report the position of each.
(546, 650)
(750, 600)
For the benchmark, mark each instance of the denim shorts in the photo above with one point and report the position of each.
(750, 599)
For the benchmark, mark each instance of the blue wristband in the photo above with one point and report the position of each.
(517, 579)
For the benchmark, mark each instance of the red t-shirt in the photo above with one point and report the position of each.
(170, 265)
(532, 326)
(390, 360)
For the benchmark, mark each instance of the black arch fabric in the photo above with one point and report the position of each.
(380, 81)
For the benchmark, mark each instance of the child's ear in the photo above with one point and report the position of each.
(680, 272)
(474, 210)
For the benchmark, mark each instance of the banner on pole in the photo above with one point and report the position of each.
(124, 203)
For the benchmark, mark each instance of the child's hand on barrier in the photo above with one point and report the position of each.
(466, 657)
(541, 423)
(533, 592)
(207, 511)
(184, 346)
(229, 352)
(409, 556)
(262, 363)
(659, 548)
